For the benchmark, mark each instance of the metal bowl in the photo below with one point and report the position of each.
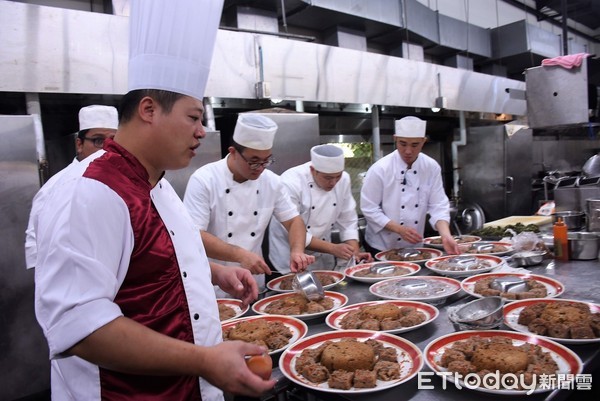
(528, 258)
(573, 219)
(583, 245)
(307, 284)
(480, 314)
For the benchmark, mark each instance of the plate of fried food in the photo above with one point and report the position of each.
(377, 271)
(502, 362)
(496, 248)
(351, 361)
(563, 320)
(516, 286)
(415, 255)
(298, 306)
(328, 279)
(275, 332)
(463, 265)
(388, 316)
(430, 289)
(230, 309)
(436, 242)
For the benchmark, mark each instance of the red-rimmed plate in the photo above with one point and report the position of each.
(554, 288)
(275, 284)
(429, 289)
(410, 358)
(334, 319)
(513, 309)
(568, 362)
(296, 326)
(351, 272)
(339, 300)
(486, 263)
(502, 248)
(434, 254)
(435, 242)
(234, 304)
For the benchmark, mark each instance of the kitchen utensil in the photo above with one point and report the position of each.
(406, 253)
(482, 313)
(583, 245)
(592, 214)
(509, 284)
(307, 284)
(382, 268)
(528, 258)
(462, 262)
(573, 219)
(591, 167)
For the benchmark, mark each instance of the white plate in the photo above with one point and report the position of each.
(234, 304)
(334, 319)
(507, 245)
(554, 288)
(423, 288)
(296, 326)
(274, 285)
(493, 261)
(469, 239)
(410, 359)
(435, 253)
(568, 362)
(513, 309)
(339, 300)
(413, 268)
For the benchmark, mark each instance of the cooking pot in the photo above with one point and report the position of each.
(593, 214)
(573, 219)
(583, 246)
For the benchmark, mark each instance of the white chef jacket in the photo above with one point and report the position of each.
(320, 210)
(237, 213)
(36, 207)
(79, 290)
(391, 191)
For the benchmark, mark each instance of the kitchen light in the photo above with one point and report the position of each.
(435, 109)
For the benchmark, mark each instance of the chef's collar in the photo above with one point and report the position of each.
(133, 164)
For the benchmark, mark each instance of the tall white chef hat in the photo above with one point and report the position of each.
(410, 127)
(327, 159)
(255, 131)
(98, 117)
(171, 44)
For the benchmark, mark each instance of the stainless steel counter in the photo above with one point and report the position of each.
(582, 282)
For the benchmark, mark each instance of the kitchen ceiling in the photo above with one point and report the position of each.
(585, 12)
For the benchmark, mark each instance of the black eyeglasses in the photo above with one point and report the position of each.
(97, 142)
(257, 165)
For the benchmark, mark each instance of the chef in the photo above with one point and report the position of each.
(124, 290)
(321, 190)
(96, 123)
(399, 191)
(233, 199)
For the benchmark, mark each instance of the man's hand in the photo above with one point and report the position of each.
(253, 262)
(235, 281)
(342, 250)
(450, 245)
(364, 257)
(410, 235)
(300, 261)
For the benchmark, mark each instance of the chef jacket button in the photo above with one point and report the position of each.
(323, 239)
(310, 185)
(307, 227)
(230, 235)
(252, 234)
(402, 172)
(335, 204)
(227, 191)
(417, 205)
(416, 222)
(255, 213)
(402, 207)
(415, 172)
(313, 207)
(230, 213)
(401, 223)
(331, 224)
(160, 185)
(399, 238)
(257, 191)
(171, 231)
(196, 316)
(184, 274)
(402, 189)
(418, 188)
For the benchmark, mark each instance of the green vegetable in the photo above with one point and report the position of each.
(498, 231)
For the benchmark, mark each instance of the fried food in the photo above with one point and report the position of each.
(561, 320)
(273, 335)
(324, 279)
(535, 289)
(226, 312)
(298, 304)
(382, 317)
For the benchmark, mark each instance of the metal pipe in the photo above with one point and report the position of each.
(32, 101)
(300, 106)
(455, 144)
(565, 32)
(283, 15)
(281, 34)
(376, 133)
(209, 115)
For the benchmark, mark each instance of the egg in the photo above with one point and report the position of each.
(262, 365)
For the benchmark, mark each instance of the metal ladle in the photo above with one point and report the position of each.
(308, 285)
(509, 284)
(406, 253)
(382, 268)
(462, 262)
(482, 248)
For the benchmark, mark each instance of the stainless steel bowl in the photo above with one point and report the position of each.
(583, 245)
(528, 258)
(480, 314)
(307, 284)
(573, 219)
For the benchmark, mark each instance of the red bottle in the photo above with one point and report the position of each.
(561, 241)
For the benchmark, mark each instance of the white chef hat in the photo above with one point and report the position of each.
(98, 117)
(410, 127)
(171, 44)
(254, 131)
(327, 159)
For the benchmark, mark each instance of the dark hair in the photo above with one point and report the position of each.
(81, 134)
(239, 148)
(129, 102)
